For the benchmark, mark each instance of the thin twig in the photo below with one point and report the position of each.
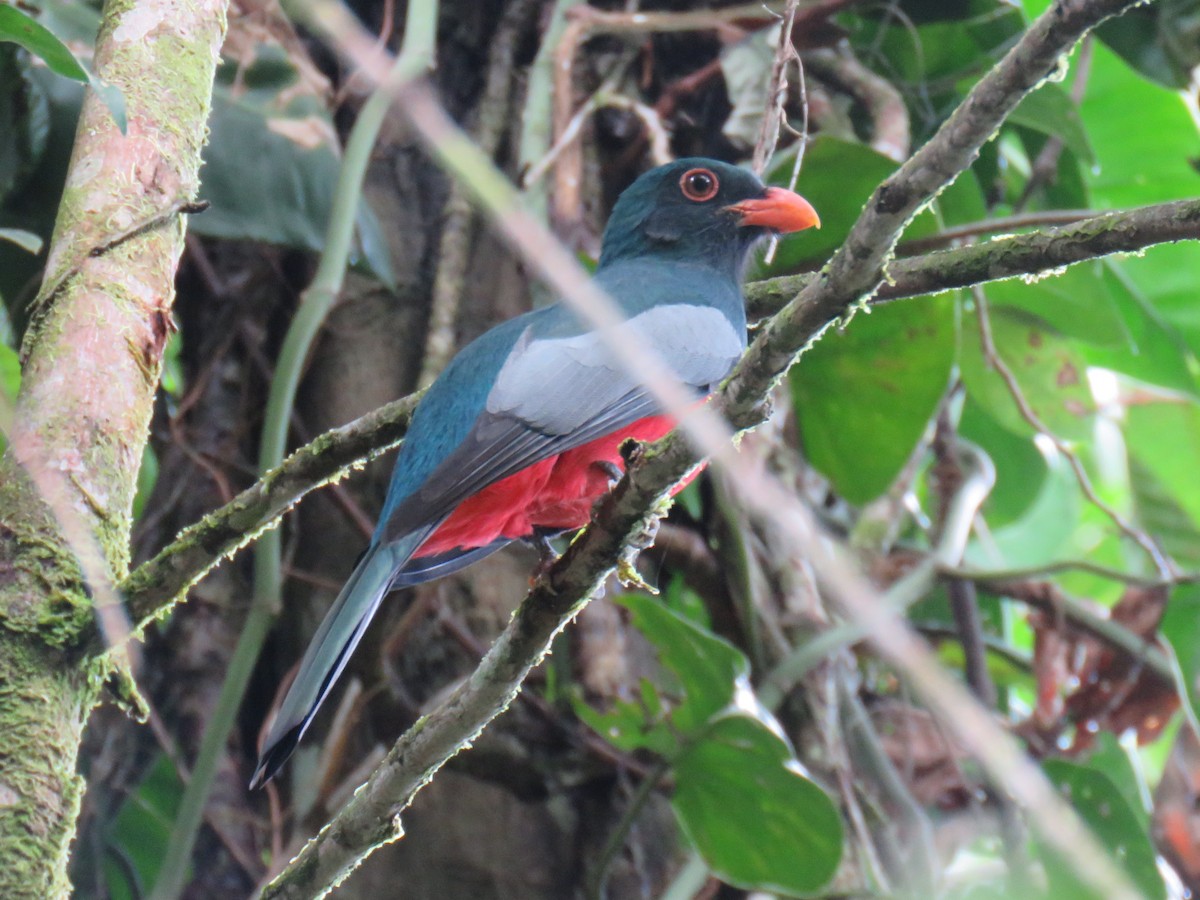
(775, 113)
(948, 236)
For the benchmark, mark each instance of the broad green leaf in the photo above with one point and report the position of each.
(1165, 439)
(1143, 135)
(1043, 533)
(863, 396)
(1107, 755)
(1050, 370)
(1161, 514)
(1154, 350)
(1163, 278)
(1020, 466)
(1051, 111)
(1104, 809)
(141, 830)
(1180, 627)
(1076, 302)
(1160, 40)
(755, 818)
(709, 668)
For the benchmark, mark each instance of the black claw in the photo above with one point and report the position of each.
(612, 470)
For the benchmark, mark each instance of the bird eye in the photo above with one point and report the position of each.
(699, 184)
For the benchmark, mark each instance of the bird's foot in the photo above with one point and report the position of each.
(630, 577)
(611, 471)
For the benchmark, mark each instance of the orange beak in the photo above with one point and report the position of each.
(779, 209)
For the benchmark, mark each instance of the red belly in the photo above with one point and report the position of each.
(555, 494)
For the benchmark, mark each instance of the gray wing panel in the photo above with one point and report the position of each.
(555, 394)
(558, 384)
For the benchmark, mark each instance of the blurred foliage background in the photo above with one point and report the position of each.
(730, 735)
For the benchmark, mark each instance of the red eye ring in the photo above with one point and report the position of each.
(699, 184)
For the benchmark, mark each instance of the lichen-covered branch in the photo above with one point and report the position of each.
(92, 357)
(155, 585)
(1037, 252)
(851, 276)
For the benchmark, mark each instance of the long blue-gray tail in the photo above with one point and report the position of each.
(330, 649)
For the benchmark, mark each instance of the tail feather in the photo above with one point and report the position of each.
(330, 650)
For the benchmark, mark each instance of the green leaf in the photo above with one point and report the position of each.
(10, 372)
(1051, 111)
(756, 820)
(837, 179)
(709, 668)
(10, 383)
(1143, 135)
(1020, 466)
(1160, 41)
(863, 397)
(142, 828)
(22, 29)
(1108, 756)
(1154, 350)
(1076, 302)
(1165, 492)
(1163, 279)
(1180, 627)
(35, 37)
(1044, 530)
(1050, 370)
(271, 165)
(1103, 808)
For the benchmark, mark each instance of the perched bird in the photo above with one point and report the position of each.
(522, 432)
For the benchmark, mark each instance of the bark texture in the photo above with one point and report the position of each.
(93, 354)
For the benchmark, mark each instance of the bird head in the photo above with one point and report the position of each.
(703, 211)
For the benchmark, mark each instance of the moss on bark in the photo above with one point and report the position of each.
(93, 355)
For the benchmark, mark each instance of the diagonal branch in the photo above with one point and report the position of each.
(152, 588)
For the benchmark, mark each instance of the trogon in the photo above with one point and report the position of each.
(522, 431)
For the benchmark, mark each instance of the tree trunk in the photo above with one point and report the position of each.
(93, 357)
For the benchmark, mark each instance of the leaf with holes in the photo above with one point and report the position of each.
(1049, 369)
(863, 397)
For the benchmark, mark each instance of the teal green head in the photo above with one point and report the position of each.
(700, 211)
